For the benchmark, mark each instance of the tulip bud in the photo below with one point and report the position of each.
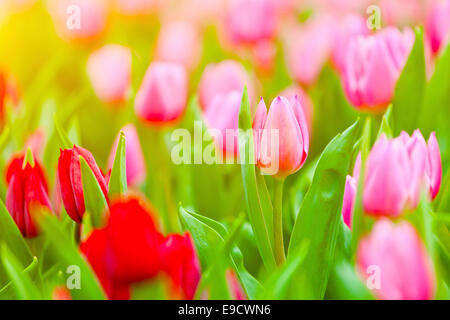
(109, 70)
(222, 78)
(373, 65)
(222, 118)
(179, 42)
(395, 259)
(397, 170)
(388, 183)
(69, 174)
(27, 190)
(181, 263)
(250, 21)
(162, 95)
(438, 24)
(425, 160)
(284, 141)
(135, 163)
(307, 50)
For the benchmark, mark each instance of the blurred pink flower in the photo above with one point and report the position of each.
(237, 292)
(36, 142)
(402, 12)
(349, 200)
(250, 21)
(222, 119)
(373, 65)
(162, 96)
(344, 30)
(396, 255)
(79, 19)
(264, 53)
(179, 42)
(292, 146)
(135, 163)
(438, 24)
(307, 49)
(221, 78)
(109, 70)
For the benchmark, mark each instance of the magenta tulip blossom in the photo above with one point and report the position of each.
(438, 24)
(394, 261)
(162, 96)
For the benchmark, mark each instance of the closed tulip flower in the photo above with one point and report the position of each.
(288, 153)
(162, 96)
(109, 70)
(438, 24)
(134, 157)
(396, 172)
(373, 65)
(403, 268)
(69, 174)
(222, 78)
(179, 42)
(349, 200)
(180, 262)
(305, 102)
(27, 191)
(222, 118)
(250, 21)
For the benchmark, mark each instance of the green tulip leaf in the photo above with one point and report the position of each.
(118, 180)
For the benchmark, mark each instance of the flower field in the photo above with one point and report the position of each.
(224, 149)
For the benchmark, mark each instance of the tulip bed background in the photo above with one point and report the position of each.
(87, 212)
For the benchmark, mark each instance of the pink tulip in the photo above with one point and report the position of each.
(109, 70)
(402, 12)
(179, 42)
(394, 260)
(373, 65)
(285, 121)
(222, 118)
(349, 200)
(250, 21)
(438, 24)
(79, 19)
(222, 78)
(348, 28)
(305, 102)
(162, 95)
(396, 172)
(307, 50)
(134, 158)
(432, 168)
(264, 53)
(388, 180)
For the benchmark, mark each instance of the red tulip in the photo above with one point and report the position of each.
(69, 173)
(126, 250)
(180, 262)
(27, 188)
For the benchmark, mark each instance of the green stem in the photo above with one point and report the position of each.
(278, 221)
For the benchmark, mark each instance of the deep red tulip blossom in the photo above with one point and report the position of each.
(69, 173)
(27, 190)
(180, 262)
